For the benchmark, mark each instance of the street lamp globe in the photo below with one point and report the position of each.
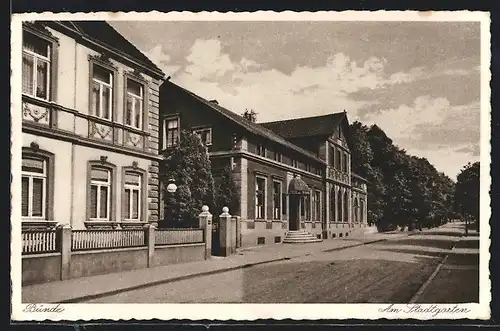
(171, 187)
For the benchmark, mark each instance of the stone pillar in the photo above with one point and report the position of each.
(149, 238)
(225, 232)
(237, 226)
(205, 219)
(64, 242)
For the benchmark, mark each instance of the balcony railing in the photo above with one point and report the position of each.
(335, 174)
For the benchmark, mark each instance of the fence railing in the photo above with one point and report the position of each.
(39, 241)
(103, 239)
(178, 236)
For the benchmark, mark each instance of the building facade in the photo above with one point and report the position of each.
(265, 158)
(90, 119)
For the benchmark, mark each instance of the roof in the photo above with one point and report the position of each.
(306, 127)
(298, 186)
(359, 177)
(102, 32)
(252, 127)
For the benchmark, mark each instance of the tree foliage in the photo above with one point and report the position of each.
(467, 191)
(404, 190)
(226, 191)
(250, 115)
(188, 164)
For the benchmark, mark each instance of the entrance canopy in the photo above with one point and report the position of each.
(297, 186)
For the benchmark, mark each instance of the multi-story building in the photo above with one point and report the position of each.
(89, 127)
(271, 162)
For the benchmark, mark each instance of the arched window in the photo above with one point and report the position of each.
(37, 185)
(339, 207)
(333, 205)
(346, 207)
(355, 210)
(133, 194)
(101, 191)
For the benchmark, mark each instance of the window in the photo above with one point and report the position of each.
(283, 203)
(34, 188)
(333, 206)
(260, 198)
(132, 196)
(276, 200)
(101, 96)
(305, 207)
(340, 205)
(338, 164)
(261, 150)
(171, 132)
(36, 66)
(100, 194)
(135, 104)
(205, 135)
(346, 207)
(317, 205)
(345, 166)
(331, 156)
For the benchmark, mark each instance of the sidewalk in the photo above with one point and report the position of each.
(80, 289)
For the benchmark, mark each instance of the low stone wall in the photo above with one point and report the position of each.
(65, 254)
(90, 263)
(165, 255)
(41, 268)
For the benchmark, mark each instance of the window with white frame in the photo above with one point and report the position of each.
(260, 198)
(100, 194)
(34, 188)
(205, 135)
(277, 203)
(171, 132)
(132, 196)
(135, 103)
(102, 92)
(36, 66)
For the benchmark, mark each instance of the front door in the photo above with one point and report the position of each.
(293, 221)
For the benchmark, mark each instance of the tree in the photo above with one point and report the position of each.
(467, 192)
(250, 115)
(226, 192)
(189, 165)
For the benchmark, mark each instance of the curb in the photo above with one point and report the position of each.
(425, 285)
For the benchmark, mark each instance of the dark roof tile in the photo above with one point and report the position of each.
(252, 127)
(306, 127)
(102, 32)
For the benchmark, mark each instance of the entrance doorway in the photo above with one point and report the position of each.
(293, 218)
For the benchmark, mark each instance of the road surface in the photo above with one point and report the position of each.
(391, 271)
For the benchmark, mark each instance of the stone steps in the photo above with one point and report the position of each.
(300, 237)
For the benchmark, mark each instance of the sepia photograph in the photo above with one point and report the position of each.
(272, 159)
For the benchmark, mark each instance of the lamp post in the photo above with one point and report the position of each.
(171, 189)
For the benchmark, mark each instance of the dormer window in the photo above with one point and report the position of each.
(261, 150)
(205, 135)
(36, 66)
(171, 132)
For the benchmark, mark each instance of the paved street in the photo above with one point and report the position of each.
(387, 271)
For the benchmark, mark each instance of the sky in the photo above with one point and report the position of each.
(418, 81)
